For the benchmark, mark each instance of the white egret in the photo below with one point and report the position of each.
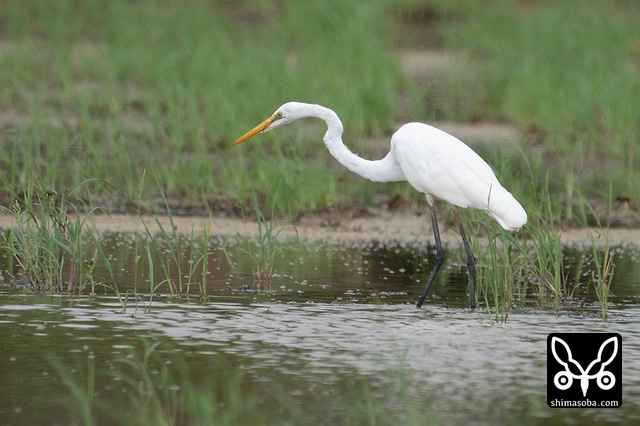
(432, 161)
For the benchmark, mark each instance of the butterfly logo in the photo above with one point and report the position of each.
(564, 379)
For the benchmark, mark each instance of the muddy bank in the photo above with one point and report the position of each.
(381, 225)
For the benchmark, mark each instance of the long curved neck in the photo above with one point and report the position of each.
(385, 170)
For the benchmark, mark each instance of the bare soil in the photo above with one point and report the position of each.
(381, 225)
(384, 224)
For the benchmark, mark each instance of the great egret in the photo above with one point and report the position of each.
(432, 161)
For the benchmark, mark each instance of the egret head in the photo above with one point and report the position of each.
(287, 113)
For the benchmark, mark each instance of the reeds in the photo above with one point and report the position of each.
(530, 265)
(47, 243)
(183, 261)
(263, 250)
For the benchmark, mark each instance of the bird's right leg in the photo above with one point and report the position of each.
(439, 257)
(471, 265)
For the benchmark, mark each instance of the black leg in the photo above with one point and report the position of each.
(472, 267)
(439, 257)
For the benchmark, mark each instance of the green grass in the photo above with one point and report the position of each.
(46, 246)
(111, 89)
(106, 90)
(563, 72)
(152, 384)
(101, 92)
(529, 267)
(263, 250)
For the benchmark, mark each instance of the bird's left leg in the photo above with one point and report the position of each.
(439, 255)
(471, 265)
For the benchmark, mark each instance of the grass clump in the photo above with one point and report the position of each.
(183, 260)
(529, 266)
(149, 384)
(47, 244)
(264, 249)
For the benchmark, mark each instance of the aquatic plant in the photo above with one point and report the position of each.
(47, 242)
(171, 250)
(82, 393)
(602, 276)
(537, 268)
(263, 250)
(529, 263)
(497, 276)
(156, 386)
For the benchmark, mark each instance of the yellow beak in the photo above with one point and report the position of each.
(256, 130)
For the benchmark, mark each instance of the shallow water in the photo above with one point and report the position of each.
(453, 365)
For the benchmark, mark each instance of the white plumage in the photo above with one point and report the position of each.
(432, 161)
(439, 165)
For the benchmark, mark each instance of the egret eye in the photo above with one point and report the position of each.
(279, 114)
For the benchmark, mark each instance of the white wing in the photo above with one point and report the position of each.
(436, 163)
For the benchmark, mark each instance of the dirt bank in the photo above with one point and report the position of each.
(379, 225)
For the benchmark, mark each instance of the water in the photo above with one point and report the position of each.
(340, 321)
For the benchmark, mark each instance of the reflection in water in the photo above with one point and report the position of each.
(323, 272)
(452, 361)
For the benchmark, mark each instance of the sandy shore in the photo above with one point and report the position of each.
(382, 226)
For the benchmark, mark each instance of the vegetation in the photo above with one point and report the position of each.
(94, 94)
(156, 387)
(106, 90)
(263, 250)
(101, 92)
(47, 243)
